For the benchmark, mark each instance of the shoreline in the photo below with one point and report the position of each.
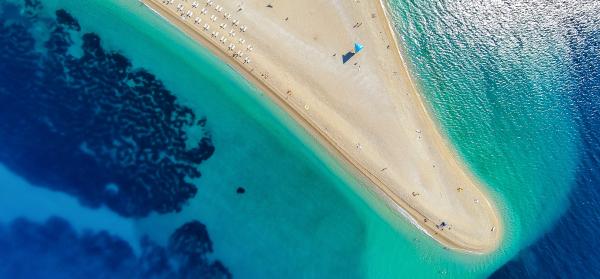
(364, 171)
(437, 126)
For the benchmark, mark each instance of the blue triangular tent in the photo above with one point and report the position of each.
(357, 47)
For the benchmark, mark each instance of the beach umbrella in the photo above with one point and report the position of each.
(358, 47)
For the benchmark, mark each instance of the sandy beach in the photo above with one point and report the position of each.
(367, 112)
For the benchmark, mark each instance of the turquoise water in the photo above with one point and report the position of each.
(499, 82)
(500, 78)
(497, 91)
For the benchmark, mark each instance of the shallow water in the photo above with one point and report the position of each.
(502, 92)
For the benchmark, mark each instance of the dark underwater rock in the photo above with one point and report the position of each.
(94, 126)
(54, 250)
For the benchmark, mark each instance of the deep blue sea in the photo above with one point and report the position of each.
(128, 151)
(571, 249)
